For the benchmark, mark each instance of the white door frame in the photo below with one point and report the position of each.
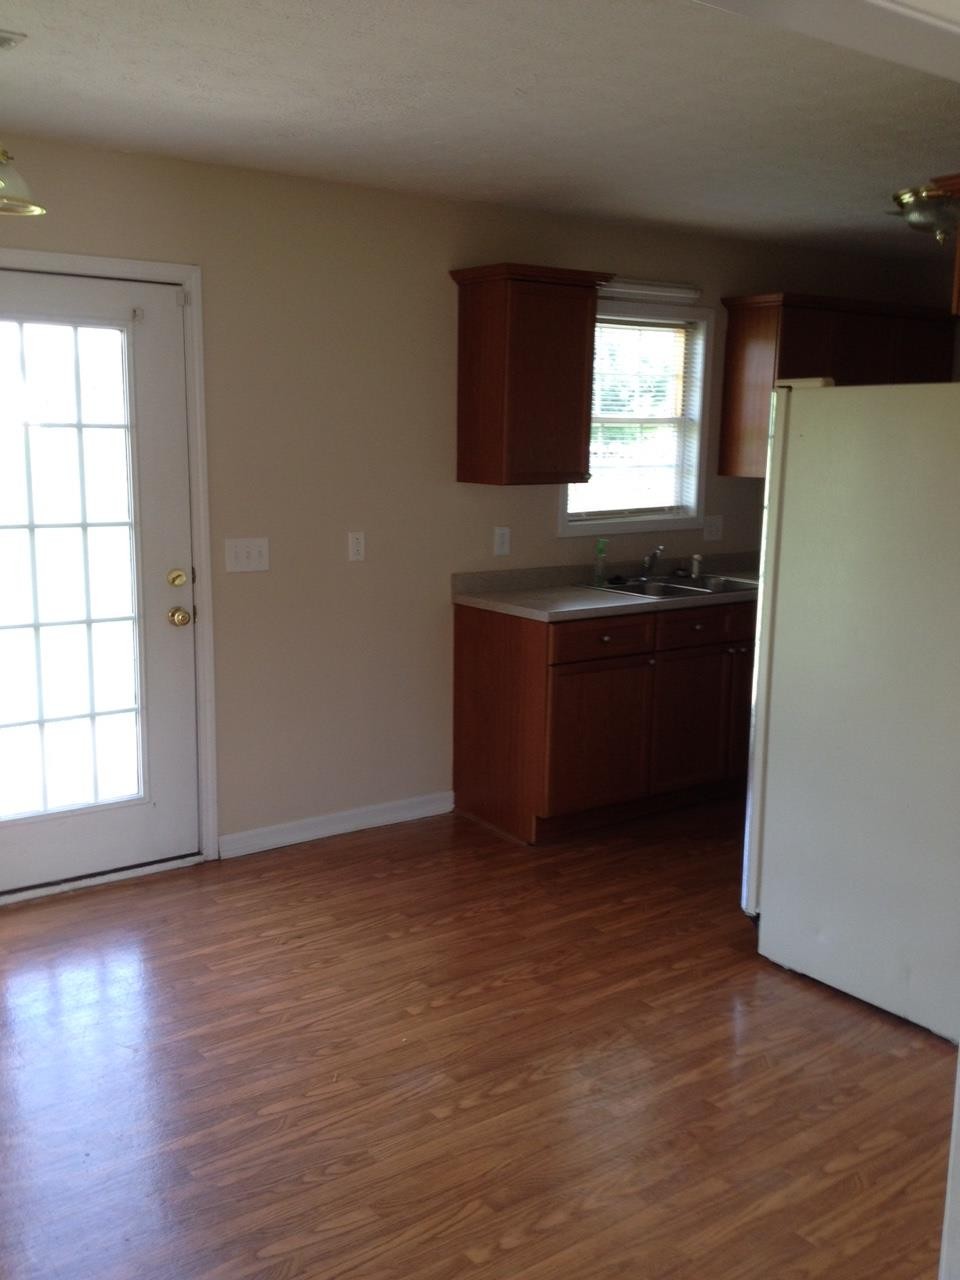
(950, 1245)
(187, 278)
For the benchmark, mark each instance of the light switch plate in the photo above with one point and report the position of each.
(501, 540)
(357, 545)
(247, 555)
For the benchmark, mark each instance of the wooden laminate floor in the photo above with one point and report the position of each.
(422, 1053)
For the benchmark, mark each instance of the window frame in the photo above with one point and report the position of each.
(641, 312)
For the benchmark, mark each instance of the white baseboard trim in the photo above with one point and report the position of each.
(239, 843)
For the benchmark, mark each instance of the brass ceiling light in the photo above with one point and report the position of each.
(935, 207)
(15, 197)
(931, 207)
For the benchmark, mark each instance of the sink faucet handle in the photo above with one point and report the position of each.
(696, 560)
(652, 558)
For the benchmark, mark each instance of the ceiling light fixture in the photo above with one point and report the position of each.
(935, 208)
(15, 197)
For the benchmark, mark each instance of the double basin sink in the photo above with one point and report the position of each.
(708, 585)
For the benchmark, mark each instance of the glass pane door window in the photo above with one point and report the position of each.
(69, 634)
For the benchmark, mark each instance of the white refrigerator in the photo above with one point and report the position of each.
(852, 858)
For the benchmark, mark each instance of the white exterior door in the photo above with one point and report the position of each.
(98, 741)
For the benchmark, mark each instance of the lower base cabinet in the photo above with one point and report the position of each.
(741, 709)
(597, 740)
(689, 739)
(553, 720)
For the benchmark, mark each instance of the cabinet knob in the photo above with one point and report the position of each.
(744, 650)
(606, 639)
(733, 651)
(698, 626)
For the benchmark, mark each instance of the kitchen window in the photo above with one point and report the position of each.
(646, 440)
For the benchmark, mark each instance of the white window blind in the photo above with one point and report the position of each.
(645, 432)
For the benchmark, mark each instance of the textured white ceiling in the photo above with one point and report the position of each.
(656, 109)
(945, 10)
(925, 37)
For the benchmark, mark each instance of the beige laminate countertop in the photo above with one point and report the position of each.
(566, 604)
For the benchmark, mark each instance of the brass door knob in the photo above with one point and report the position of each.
(179, 617)
(177, 577)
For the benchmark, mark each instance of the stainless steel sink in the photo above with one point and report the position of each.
(709, 585)
(714, 583)
(673, 589)
(660, 588)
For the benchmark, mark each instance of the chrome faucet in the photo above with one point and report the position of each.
(652, 558)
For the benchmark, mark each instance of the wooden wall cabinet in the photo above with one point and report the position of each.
(525, 373)
(559, 719)
(784, 335)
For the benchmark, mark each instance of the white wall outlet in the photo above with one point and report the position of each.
(247, 555)
(501, 540)
(712, 528)
(356, 546)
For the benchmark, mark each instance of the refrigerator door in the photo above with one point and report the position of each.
(857, 834)
(766, 607)
(766, 612)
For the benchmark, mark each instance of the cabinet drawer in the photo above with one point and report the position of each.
(600, 638)
(741, 621)
(681, 628)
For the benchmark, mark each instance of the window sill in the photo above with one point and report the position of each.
(568, 528)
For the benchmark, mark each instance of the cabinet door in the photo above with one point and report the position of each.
(740, 707)
(859, 348)
(808, 343)
(924, 350)
(855, 348)
(690, 718)
(750, 367)
(866, 350)
(549, 382)
(598, 730)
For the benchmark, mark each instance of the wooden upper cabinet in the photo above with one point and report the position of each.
(783, 335)
(525, 373)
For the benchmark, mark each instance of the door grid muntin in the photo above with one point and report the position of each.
(64, 409)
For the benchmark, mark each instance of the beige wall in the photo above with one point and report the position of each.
(329, 327)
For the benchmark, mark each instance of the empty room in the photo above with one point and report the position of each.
(478, 697)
